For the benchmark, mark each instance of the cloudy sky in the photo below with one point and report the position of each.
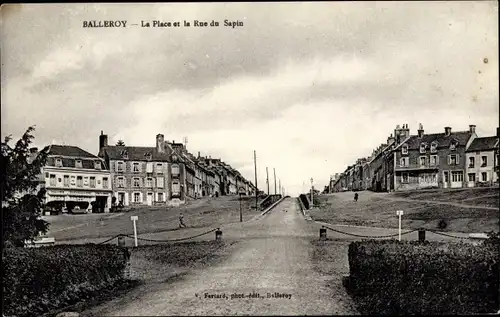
(310, 86)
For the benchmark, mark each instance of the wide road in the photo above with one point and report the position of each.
(272, 263)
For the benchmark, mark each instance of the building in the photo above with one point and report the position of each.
(73, 177)
(145, 175)
(481, 162)
(432, 160)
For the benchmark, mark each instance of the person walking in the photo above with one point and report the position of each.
(181, 221)
(356, 197)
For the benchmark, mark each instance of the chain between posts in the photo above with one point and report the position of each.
(154, 240)
(394, 235)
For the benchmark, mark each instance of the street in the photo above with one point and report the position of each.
(270, 273)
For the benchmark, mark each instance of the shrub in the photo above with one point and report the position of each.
(37, 280)
(392, 277)
(442, 224)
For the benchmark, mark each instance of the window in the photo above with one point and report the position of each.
(434, 146)
(78, 164)
(104, 182)
(135, 167)
(434, 160)
(137, 182)
(66, 181)
(176, 188)
(159, 182)
(404, 178)
(121, 182)
(403, 161)
(404, 149)
(423, 146)
(92, 182)
(149, 167)
(97, 165)
(159, 168)
(125, 154)
(175, 169)
(119, 166)
(149, 182)
(457, 176)
(472, 161)
(472, 177)
(453, 146)
(160, 196)
(79, 181)
(148, 156)
(422, 160)
(484, 177)
(453, 159)
(52, 180)
(137, 197)
(85, 181)
(58, 162)
(484, 161)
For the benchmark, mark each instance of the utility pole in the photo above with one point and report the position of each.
(256, 188)
(312, 201)
(274, 180)
(267, 180)
(280, 187)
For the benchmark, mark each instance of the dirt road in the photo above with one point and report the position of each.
(270, 273)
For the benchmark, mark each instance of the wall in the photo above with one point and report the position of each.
(477, 169)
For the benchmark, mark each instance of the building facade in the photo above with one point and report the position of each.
(481, 162)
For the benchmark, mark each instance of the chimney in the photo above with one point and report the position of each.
(498, 132)
(103, 140)
(390, 139)
(33, 150)
(160, 143)
(199, 154)
(420, 130)
(472, 128)
(447, 131)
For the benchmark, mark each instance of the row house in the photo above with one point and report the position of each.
(145, 175)
(73, 177)
(481, 159)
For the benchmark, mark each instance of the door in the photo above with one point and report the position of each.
(121, 199)
(150, 199)
(471, 180)
(457, 178)
(446, 179)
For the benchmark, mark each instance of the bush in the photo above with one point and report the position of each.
(37, 280)
(392, 277)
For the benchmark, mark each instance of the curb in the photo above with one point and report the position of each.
(272, 206)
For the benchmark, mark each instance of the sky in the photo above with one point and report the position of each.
(311, 87)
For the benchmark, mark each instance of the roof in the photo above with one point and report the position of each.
(135, 153)
(69, 150)
(442, 140)
(483, 144)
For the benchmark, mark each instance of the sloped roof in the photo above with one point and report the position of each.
(483, 144)
(135, 153)
(443, 140)
(69, 150)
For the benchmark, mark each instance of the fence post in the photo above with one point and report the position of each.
(218, 234)
(322, 233)
(121, 241)
(421, 235)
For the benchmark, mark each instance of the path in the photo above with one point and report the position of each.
(273, 257)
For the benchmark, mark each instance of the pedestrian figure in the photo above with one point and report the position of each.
(181, 221)
(356, 197)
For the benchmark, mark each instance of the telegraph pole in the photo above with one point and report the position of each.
(256, 188)
(274, 180)
(312, 201)
(280, 187)
(267, 180)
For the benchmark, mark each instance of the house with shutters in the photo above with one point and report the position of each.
(481, 159)
(145, 175)
(432, 160)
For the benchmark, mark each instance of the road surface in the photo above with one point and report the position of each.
(270, 273)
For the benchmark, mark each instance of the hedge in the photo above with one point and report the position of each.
(38, 280)
(409, 277)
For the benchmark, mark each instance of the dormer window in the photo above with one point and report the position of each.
(434, 146)
(59, 162)
(148, 156)
(174, 158)
(423, 147)
(453, 146)
(78, 163)
(97, 165)
(404, 149)
(125, 154)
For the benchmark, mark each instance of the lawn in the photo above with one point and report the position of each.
(421, 209)
(199, 213)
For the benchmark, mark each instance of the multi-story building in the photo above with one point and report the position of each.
(74, 177)
(481, 162)
(432, 160)
(145, 175)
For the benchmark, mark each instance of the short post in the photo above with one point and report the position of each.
(121, 241)
(218, 234)
(421, 235)
(134, 219)
(399, 213)
(322, 233)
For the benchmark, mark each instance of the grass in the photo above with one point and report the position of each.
(198, 213)
(422, 209)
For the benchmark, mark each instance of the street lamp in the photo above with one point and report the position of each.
(312, 201)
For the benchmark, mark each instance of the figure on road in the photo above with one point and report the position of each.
(181, 221)
(356, 197)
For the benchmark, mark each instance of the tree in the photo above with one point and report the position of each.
(22, 201)
(120, 143)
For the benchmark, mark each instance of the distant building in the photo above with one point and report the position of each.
(481, 162)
